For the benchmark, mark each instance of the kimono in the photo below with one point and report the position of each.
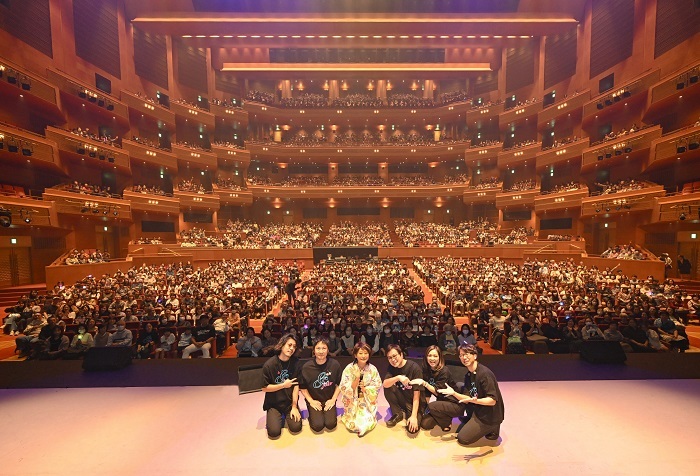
(360, 413)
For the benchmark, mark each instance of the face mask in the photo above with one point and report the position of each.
(81, 331)
(387, 331)
(120, 328)
(465, 332)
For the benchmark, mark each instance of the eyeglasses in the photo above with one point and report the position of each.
(393, 357)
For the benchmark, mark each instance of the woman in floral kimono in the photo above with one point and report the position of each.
(359, 387)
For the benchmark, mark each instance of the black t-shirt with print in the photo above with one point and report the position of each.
(482, 384)
(275, 372)
(412, 371)
(201, 334)
(440, 380)
(320, 380)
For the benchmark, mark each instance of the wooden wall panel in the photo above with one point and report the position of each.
(192, 67)
(520, 67)
(96, 27)
(559, 58)
(151, 57)
(227, 83)
(612, 33)
(676, 21)
(29, 21)
(486, 83)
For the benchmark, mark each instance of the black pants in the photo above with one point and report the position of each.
(275, 422)
(472, 431)
(441, 413)
(318, 420)
(399, 402)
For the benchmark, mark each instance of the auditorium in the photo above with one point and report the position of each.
(190, 187)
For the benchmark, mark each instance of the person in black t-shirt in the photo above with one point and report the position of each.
(319, 383)
(485, 410)
(280, 374)
(401, 395)
(435, 377)
(291, 289)
(202, 337)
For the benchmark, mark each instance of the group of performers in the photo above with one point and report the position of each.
(408, 389)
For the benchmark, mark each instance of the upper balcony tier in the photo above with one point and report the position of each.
(562, 154)
(520, 114)
(519, 199)
(96, 207)
(150, 156)
(84, 149)
(234, 114)
(344, 191)
(678, 207)
(23, 147)
(482, 195)
(188, 114)
(484, 114)
(141, 108)
(643, 199)
(27, 211)
(631, 94)
(677, 89)
(197, 158)
(569, 105)
(476, 156)
(150, 203)
(94, 101)
(561, 200)
(451, 150)
(677, 147)
(275, 114)
(518, 156)
(17, 85)
(226, 154)
(630, 146)
(197, 201)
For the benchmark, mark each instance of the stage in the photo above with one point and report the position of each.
(554, 427)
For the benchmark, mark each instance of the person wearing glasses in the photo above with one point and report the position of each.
(403, 397)
(485, 410)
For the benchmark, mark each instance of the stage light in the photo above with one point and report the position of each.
(618, 152)
(80, 150)
(82, 94)
(694, 144)
(626, 94)
(12, 145)
(84, 210)
(608, 155)
(680, 149)
(110, 107)
(5, 217)
(95, 211)
(597, 210)
(600, 157)
(608, 101)
(599, 105)
(681, 217)
(628, 150)
(693, 79)
(607, 209)
(101, 102)
(680, 85)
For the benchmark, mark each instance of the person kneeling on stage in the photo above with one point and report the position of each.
(435, 377)
(401, 395)
(359, 387)
(319, 383)
(485, 408)
(280, 374)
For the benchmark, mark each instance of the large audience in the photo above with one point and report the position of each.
(353, 234)
(453, 96)
(191, 185)
(620, 186)
(87, 257)
(408, 100)
(565, 187)
(309, 100)
(489, 182)
(247, 235)
(522, 186)
(88, 189)
(358, 101)
(625, 252)
(228, 183)
(87, 134)
(150, 189)
(260, 96)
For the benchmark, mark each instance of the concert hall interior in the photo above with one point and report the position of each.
(516, 167)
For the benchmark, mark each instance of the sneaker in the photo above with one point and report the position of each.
(394, 420)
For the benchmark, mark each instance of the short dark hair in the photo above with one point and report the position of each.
(468, 349)
(283, 341)
(320, 340)
(395, 347)
(360, 346)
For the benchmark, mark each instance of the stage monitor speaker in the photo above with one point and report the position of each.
(602, 352)
(250, 378)
(107, 358)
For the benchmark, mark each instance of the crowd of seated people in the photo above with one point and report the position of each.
(357, 101)
(355, 234)
(148, 241)
(190, 145)
(187, 103)
(152, 100)
(241, 226)
(415, 234)
(190, 185)
(453, 96)
(556, 237)
(521, 144)
(620, 186)
(149, 143)
(85, 132)
(489, 182)
(260, 96)
(232, 102)
(425, 180)
(277, 236)
(228, 144)
(136, 308)
(564, 302)
(228, 183)
(484, 143)
(625, 252)
(566, 187)
(517, 236)
(612, 135)
(305, 180)
(310, 100)
(87, 257)
(408, 100)
(561, 142)
(522, 185)
(151, 189)
(357, 180)
(88, 189)
(486, 104)
(526, 102)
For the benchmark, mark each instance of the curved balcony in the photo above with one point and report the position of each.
(226, 154)
(150, 155)
(622, 202)
(561, 200)
(519, 199)
(677, 147)
(17, 83)
(515, 157)
(612, 103)
(344, 191)
(482, 195)
(85, 149)
(562, 154)
(631, 146)
(234, 114)
(24, 147)
(519, 114)
(141, 107)
(151, 203)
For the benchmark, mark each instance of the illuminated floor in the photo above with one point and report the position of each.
(558, 428)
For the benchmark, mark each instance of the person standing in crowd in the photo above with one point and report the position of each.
(684, 267)
(280, 374)
(291, 289)
(485, 409)
(359, 387)
(320, 385)
(435, 377)
(403, 397)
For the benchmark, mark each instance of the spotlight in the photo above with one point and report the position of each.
(618, 208)
(110, 160)
(80, 149)
(102, 156)
(12, 146)
(694, 78)
(694, 144)
(106, 212)
(26, 83)
(82, 94)
(608, 101)
(27, 151)
(92, 154)
(617, 98)
(5, 217)
(12, 79)
(599, 105)
(597, 210)
(618, 152)
(600, 157)
(607, 209)
(680, 85)
(92, 99)
(626, 93)
(101, 102)
(628, 150)
(681, 217)
(680, 149)
(84, 210)
(116, 213)
(608, 155)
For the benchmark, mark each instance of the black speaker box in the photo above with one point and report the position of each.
(107, 358)
(250, 378)
(602, 352)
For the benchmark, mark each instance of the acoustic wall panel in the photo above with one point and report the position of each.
(151, 57)
(676, 21)
(192, 67)
(559, 58)
(485, 83)
(612, 33)
(520, 67)
(97, 34)
(29, 21)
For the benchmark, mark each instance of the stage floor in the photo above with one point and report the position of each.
(568, 427)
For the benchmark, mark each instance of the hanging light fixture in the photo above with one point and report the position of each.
(344, 86)
(326, 86)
